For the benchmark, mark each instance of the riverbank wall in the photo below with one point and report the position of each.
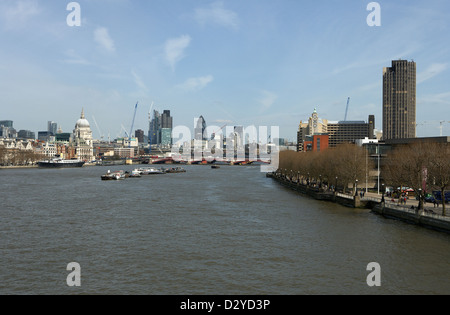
(426, 219)
(17, 167)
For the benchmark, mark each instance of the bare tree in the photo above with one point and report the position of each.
(2, 155)
(350, 164)
(438, 170)
(346, 162)
(407, 166)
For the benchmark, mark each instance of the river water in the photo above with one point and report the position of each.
(207, 231)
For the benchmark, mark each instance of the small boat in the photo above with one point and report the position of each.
(215, 166)
(175, 170)
(135, 174)
(118, 175)
(150, 171)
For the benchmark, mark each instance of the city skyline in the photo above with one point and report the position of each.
(253, 63)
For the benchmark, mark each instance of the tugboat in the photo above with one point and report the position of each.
(58, 162)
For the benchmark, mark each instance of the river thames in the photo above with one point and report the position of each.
(227, 231)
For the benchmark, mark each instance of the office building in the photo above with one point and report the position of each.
(154, 134)
(52, 127)
(26, 134)
(6, 123)
(166, 129)
(45, 136)
(160, 131)
(337, 133)
(314, 126)
(348, 132)
(139, 134)
(399, 100)
(7, 130)
(166, 120)
(200, 129)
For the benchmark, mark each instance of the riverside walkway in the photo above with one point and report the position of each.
(430, 217)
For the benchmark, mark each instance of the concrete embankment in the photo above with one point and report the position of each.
(17, 167)
(426, 219)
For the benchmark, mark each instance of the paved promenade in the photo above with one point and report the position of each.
(411, 202)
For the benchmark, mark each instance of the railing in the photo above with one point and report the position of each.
(424, 213)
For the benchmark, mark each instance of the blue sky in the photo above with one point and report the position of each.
(236, 62)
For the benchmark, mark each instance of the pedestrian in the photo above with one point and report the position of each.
(434, 203)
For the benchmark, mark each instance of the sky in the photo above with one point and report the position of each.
(235, 62)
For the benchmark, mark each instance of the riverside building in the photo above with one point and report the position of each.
(312, 136)
(399, 100)
(82, 137)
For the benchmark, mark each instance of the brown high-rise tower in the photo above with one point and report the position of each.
(399, 100)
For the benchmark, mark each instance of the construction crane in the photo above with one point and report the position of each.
(126, 132)
(442, 126)
(434, 123)
(214, 133)
(99, 132)
(346, 110)
(130, 135)
(134, 118)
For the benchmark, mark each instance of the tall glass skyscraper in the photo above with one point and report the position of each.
(200, 128)
(52, 127)
(160, 131)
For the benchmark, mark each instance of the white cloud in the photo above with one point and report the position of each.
(74, 58)
(435, 99)
(16, 17)
(174, 49)
(101, 36)
(267, 99)
(431, 71)
(138, 81)
(196, 84)
(217, 14)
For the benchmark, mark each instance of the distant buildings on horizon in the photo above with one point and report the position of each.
(399, 115)
(398, 121)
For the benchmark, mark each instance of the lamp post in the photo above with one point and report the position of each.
(335, 186)
(378, 153)
(356, 187)
(383, 191)
(420, 199)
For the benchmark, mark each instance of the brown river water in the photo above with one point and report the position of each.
(208, 231)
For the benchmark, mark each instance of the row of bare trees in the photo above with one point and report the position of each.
(423, 167)
(343, 166)
(14, 157)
